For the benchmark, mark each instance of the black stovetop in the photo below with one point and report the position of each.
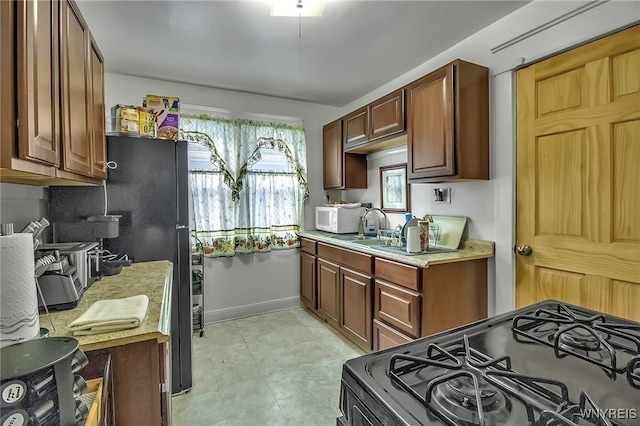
(546, 364)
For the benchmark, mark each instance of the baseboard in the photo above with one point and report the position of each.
(250, 310)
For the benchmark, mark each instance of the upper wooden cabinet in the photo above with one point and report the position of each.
(76, 139)
(355, 127)
(341, 170)
(386, 115)
(58, 135)
(448, 124)
(97, 111)
(377, 126)
(38, 93)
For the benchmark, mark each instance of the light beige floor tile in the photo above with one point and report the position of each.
(264, 416)
(239, 397)
(277, 369)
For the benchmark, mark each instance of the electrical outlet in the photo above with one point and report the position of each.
(442, 195)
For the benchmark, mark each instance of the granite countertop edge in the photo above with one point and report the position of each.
(469, 250)
(154, 279)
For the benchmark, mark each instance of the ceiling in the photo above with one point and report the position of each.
(354, 48)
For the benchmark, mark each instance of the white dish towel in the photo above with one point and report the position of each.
(111, 315)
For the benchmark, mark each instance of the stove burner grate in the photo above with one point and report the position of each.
(590, 338)
(476, 389)
(633, 372)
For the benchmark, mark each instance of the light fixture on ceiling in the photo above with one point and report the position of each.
(297, 8)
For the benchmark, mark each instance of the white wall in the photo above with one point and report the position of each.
(21, 204)
(243, 285)
(546, 27)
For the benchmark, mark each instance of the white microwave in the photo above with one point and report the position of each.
(339, 219)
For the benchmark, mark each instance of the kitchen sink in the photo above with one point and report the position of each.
(369, 241)
(402, 250)
(353, 237)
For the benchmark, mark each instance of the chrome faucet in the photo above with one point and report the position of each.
(364, 216)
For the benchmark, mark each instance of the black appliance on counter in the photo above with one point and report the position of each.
(149, 189)
(546, 364)
(39, 384)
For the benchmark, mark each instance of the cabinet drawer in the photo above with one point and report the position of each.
(398, 273)
(359, 261)
(307, 245)
(398, 307)
(385, 337)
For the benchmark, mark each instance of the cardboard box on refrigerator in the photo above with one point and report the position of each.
(166, 110)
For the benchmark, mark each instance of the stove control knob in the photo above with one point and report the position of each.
(524, 250)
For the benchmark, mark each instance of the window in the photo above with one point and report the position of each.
(248, 183)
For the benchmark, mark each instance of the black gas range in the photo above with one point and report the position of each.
(549, 364)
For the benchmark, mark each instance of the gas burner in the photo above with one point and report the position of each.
(460, 397)
(473, 388)
(633, 372)
(579, 338)
(588, 336)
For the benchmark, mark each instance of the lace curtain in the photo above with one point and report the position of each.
(238, 207)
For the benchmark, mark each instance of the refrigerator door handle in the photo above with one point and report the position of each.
(182, 226)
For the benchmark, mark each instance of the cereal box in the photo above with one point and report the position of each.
(166, 111)
(147, 127)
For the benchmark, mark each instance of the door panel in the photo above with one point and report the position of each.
(577, 177)
(76, 143)
(328, 292)
(38, 89)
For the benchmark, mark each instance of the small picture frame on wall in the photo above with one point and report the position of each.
(394, 190)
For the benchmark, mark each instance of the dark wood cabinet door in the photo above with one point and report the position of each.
(430, 125)
(329, 292)
(356, 313)
(74, 50)
(97, 112)
(385, 337)
(38, 88)
(386, 115)
(7, 81)
(398, 307)
(355, 127)
(333, 156)
(308, 280)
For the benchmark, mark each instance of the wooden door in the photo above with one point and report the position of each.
(332, 155)
(308, 280)
(386, 115)
(355, 127)
(97, 112)
(430, 125)
(578, 177)
(76, 139)
(38, 88)
(356, 319)
(329, 292)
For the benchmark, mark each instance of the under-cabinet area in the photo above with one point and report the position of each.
(378, 300)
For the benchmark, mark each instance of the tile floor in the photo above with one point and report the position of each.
(276, 369)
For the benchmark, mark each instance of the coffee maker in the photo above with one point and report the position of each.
(97, 228)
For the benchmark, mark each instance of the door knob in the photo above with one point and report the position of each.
(524, 250)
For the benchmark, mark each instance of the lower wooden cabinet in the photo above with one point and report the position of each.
(399, 307)
(329, 292)
(378, 303)
(308, 280)
(385, 337)
(355, 307)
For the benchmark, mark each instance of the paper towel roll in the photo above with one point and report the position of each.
(413, 239)
(19, 319)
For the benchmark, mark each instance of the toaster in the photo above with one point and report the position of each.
(60, 290)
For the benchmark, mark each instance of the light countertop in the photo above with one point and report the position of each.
(153, 279)
(468, 250)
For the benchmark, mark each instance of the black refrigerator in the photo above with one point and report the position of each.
(149, 187)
